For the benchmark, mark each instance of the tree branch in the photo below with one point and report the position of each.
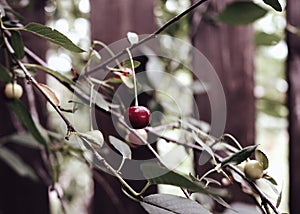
(151, 36)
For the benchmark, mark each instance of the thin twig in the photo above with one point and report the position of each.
(151, 36)
(33, 81)
(154, 131)
(263, 197)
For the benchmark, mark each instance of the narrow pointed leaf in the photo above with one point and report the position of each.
(100, 101)
(128, 81)
(50, 93)
(17, 164)
(24, 139)
(167, 204)
(262, 159)
(17, 44)
(4, 75)
(270, 179)
(221, 201)
(121, 146)
(156, 174)
(240, 156)
(127, 63)
(204, 146)
(94, 137)
(52, 35)
(274, 4)
(25, 118)
(278, 202)
(265, 39)
(241, 13)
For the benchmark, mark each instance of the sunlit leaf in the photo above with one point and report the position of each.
(50, 93)
(62, 78)
(165, 203)
(121, 146)
(274, 4)
(17, 44)
(127, 63)
(128, 81)
(114, 80)
(204, 146)
(25, 118)
(262, 159)
(100, 101)
(241, 13)
(52, 35)
(94, 137)
(266, 39)
(17, 164)
(240, 156)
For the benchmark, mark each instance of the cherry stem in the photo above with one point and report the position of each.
(96, 42)
(151, 36)
(136, 103)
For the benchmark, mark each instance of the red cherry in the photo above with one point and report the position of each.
(137, 117)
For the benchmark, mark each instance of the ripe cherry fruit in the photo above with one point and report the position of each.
(137, 117)
(13, 90)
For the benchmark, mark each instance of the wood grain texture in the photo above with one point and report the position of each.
(230, 50)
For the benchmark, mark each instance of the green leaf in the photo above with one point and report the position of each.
(278, 202)
(221, 201)
(52, 35)
(240, 156)
(24, 139)
(100, 101)
(204, 146)
(128, 81)
(121, 146)
(274, 4)
(55, 74)
(98, 98)
(4, 74)
(262, 159)
(95, 137)
(241, 13)
(270, 179)
(156, 174)
(265, 39)
(17, 164)
(17, 44)
(114, 80)
(25, 118)
(167, 204)
(127, 63)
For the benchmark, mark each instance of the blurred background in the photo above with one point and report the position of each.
(257, 63)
